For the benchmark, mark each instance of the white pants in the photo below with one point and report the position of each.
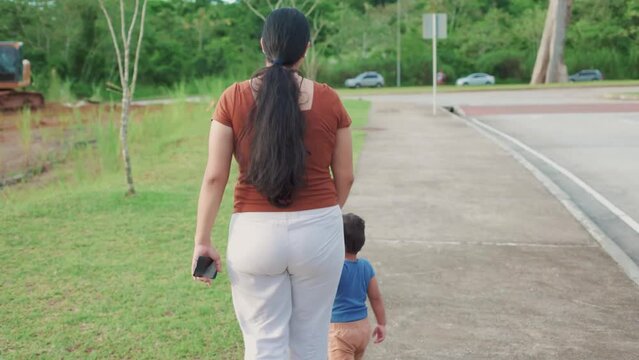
(284, 269)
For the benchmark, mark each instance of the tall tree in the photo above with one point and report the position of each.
(127, 82)
(550, 66)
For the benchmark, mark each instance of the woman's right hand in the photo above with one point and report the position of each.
(205, 250)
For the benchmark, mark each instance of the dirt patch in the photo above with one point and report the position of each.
(31, 144)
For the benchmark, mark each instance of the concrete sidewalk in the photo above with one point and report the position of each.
(476, 259)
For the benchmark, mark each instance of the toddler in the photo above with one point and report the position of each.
(350, 330)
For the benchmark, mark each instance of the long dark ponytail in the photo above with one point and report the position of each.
(277, 125)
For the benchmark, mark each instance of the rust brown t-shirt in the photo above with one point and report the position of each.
(327, 114)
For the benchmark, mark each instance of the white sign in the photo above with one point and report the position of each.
(440, 26)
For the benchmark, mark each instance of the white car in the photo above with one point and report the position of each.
(369, 78)
(476, 79)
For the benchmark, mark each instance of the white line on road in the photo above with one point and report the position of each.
(627, 264)
(604, 201)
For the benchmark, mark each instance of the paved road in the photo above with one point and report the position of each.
(600, 149)
(594, 138)
(476, 259)
(537, 96)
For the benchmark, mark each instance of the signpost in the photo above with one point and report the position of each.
(399, 44)
(434, 27)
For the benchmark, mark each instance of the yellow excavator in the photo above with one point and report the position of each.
(15, 74)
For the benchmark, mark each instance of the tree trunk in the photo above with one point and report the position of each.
(128, 84)
(556, 68)
(364, 44)
(124, 127)
(549, 65)
(311, 65)
(541, 64)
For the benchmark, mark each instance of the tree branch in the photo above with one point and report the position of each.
(122, 21)
(310, 11)
(137, 50)
(125, 46)
(133, 20)
(318, 25)
(115, 41)
(254, 10)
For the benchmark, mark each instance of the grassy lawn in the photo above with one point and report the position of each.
(452, 88)
(194, 87)
(90, 274)
(623, 96)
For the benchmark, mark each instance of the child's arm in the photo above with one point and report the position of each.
(375, 297)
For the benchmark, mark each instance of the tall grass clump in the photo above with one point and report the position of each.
(59, 90)
(161, 134)
(207, 87)
(98, 95)
(23, 124)
(107, 141)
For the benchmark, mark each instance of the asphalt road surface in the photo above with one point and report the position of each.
(585, 143)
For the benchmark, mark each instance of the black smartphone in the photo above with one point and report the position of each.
(205, 267)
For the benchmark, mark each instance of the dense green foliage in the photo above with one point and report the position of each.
(190, 39)
(500, 37)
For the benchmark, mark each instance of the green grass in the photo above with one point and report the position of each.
(197, 87)
(623, 96)
(358, 110)
(88, 273)
(452, 88)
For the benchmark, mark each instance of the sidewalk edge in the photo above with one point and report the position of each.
(610, 247)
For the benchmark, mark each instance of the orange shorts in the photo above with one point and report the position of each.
(347, 341)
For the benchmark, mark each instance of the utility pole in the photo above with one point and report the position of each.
(434, 63)
(399, 44)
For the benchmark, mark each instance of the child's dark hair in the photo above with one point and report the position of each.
(354, 236)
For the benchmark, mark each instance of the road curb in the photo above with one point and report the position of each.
(459, 89)
(612, 249)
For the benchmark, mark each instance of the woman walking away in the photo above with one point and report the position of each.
(292, 142)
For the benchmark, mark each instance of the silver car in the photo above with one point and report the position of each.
(369, 78)
(587, 75)
(476, 79)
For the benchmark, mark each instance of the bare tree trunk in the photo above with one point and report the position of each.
(541, 64)
(311, 64)
(556, 68)
(128, 83)
(549, 65)
(124, 126)
(126, 99)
